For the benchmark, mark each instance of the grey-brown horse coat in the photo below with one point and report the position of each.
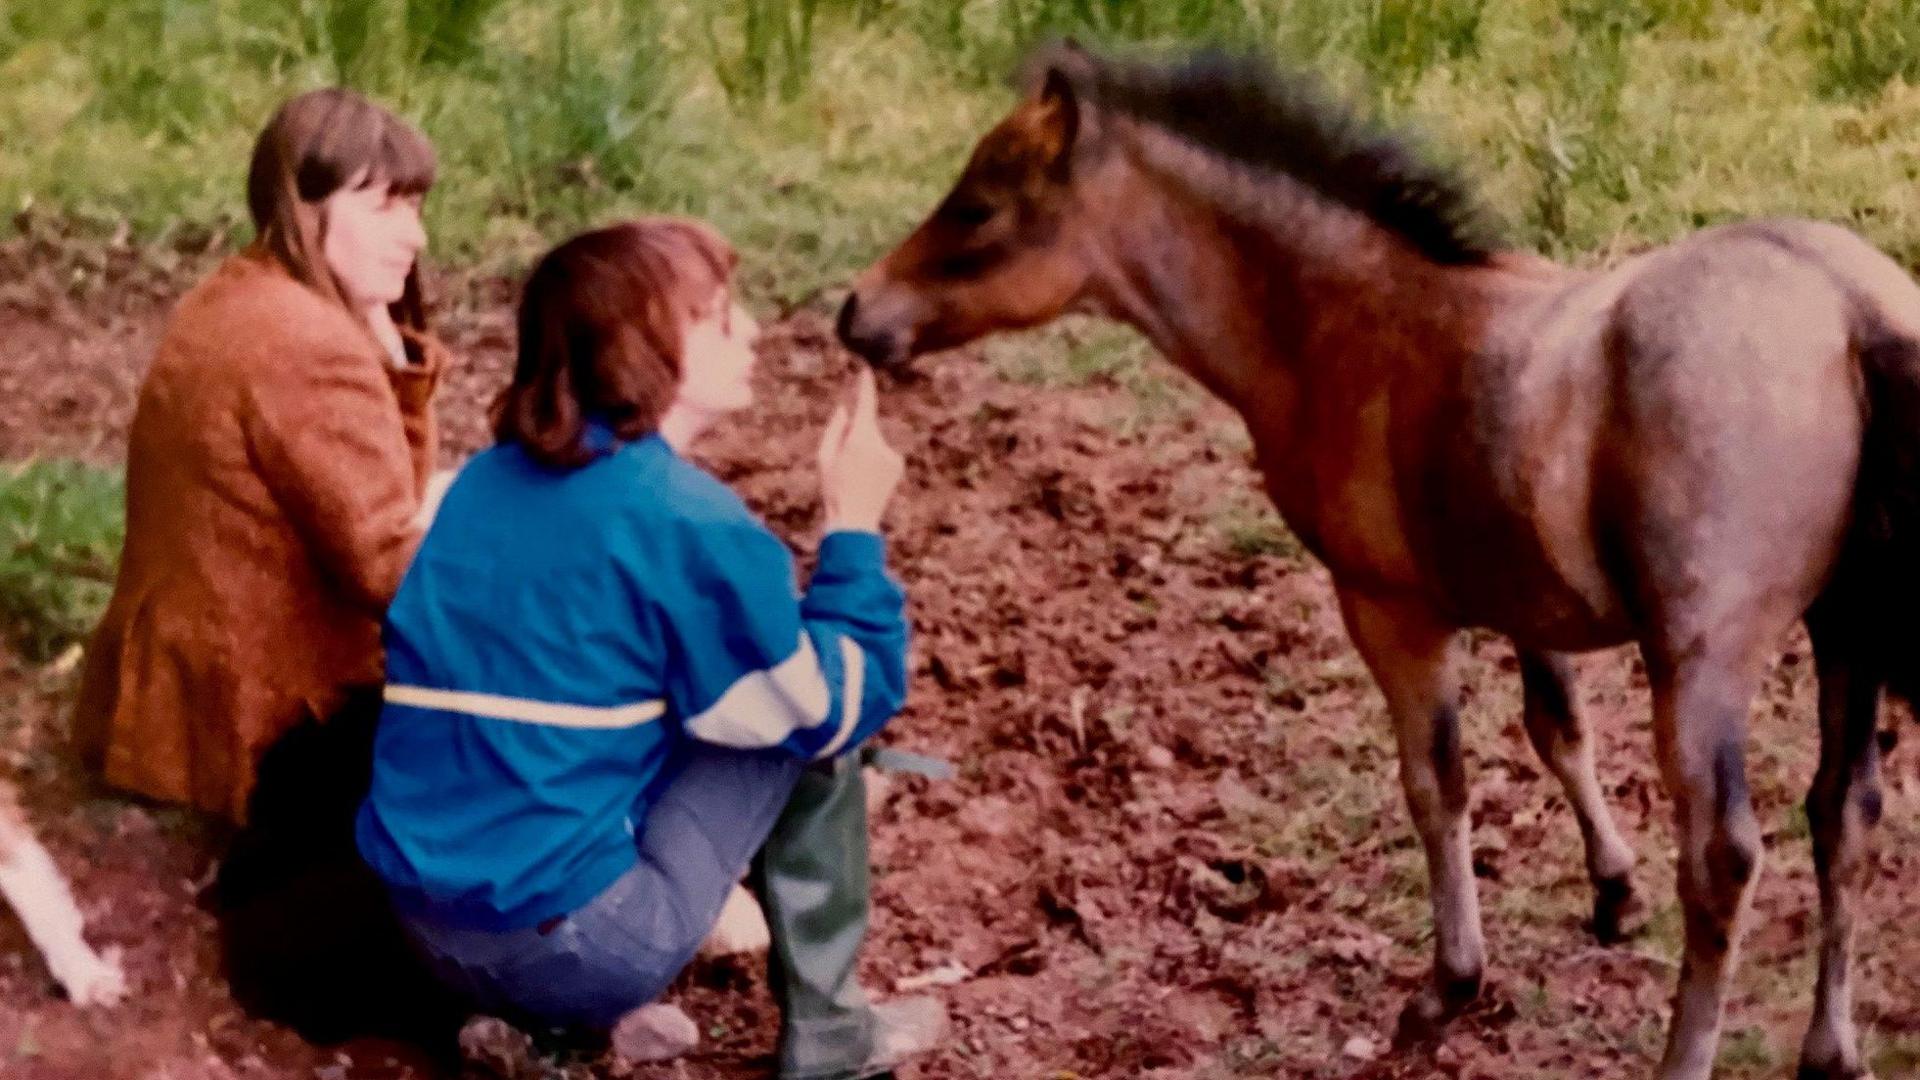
(1690, 451)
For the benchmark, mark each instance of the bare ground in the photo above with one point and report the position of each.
(1175, 846)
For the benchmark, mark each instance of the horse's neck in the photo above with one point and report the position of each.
(1166, 271)
(1309, 333)
(1257, 310)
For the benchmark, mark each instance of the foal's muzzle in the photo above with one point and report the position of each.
(877, 345)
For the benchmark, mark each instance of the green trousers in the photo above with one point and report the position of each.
(812, 880)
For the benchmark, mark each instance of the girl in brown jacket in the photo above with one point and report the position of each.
(278, 459)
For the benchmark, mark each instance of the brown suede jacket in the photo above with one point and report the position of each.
(274, 470)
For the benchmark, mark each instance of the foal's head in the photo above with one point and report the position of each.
(1000, 252)
(1109, 166)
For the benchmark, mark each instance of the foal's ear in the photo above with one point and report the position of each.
(1059, 121)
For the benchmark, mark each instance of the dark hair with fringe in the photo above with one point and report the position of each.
(603, 319)
(315, 144)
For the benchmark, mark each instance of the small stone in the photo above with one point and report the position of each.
(1360, 1048)
(951, 973)
(492, 1047)
(656, 1032)
(1158, 757)
(64, 664)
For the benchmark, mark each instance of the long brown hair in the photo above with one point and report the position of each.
(603, 319)
(316, 144)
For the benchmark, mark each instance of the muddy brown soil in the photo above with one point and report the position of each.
(1175, 845)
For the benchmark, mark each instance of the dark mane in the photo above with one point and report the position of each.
(1245, 109)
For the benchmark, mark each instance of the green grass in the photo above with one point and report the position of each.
(816, 131)
(60, 530)
(1859, 45)
(1249, 529)
(1746, 1052)
(1898, 1056)
(1075, 351)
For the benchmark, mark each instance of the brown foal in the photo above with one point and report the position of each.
(1690, 451)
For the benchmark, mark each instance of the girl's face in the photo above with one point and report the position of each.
(372, 239)
(716, 363)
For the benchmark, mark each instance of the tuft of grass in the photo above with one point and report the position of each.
(1076, 351)
(61, 525)
(1898, 1055)
(1796, 827)
(1664, 937)
(774, 53)
(444, 33)
(1860, 46)
(1400, 40)
(1747, 1052)
(593, 131)
(1250, 532)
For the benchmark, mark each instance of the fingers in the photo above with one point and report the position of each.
(859, 423)
(866, 399)
(834, 436)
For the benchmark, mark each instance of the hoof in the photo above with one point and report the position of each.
(1833, 1072)
(1432, 1008)
(1613, 903)
(92, 980)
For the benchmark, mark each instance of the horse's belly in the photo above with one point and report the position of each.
(1560, 622)
(1543, 591)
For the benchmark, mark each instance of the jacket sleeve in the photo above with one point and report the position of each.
(327, 435)
(751, 665)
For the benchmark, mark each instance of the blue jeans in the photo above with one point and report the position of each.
(625, 946)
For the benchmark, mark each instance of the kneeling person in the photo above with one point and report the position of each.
(605, 695)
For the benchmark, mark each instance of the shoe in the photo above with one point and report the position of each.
(904, 1029)
(656, 1032)
(900, 1030)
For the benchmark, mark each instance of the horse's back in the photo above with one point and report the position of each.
(1726, 337)
(1878, 287)
(1660, 443)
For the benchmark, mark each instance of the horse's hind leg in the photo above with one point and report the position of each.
(1559, 734)
(1700, 704)
(1411, 655)
(1842, 807)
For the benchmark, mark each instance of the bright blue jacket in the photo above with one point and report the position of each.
(557, 639)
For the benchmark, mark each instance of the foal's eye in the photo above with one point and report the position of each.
(967, 213)
(969, 263)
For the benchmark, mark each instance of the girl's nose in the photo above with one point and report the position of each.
(414, 232)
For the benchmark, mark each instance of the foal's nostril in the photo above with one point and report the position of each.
(843, 326)
(861, 341)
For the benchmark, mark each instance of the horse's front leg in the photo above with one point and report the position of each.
(1410, 651)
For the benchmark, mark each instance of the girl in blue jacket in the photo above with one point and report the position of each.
(605, 694)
